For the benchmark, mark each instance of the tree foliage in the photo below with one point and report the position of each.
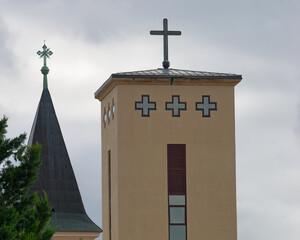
(23, 216)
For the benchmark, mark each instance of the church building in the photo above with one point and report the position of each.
(168, 153)
(56, 176)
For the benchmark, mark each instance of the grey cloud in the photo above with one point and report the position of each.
(8, 64)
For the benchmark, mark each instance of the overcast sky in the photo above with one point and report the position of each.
(92, 39)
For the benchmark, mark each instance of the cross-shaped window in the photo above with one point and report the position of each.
(145, 105)
(176, 106)
(206, 106)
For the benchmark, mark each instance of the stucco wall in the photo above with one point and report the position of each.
(139, 162)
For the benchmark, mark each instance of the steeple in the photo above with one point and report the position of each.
(56, 175)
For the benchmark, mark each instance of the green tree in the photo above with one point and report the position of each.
(23, 216)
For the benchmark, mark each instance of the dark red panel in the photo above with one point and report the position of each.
(177, 184)
(176, 169)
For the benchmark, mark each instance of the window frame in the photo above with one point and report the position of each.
(176, 153)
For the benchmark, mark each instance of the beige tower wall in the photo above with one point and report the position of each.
(138, 148)
(109, 143)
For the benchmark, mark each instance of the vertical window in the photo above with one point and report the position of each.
(109, 193)
(177, 191)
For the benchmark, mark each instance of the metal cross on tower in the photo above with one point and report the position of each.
(46, 53)
(165, 33)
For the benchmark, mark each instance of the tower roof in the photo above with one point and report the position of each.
(162, 76)
(56, 176)
(178, 73)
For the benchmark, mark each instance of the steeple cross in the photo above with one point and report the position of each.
(46, 53)
(165, 33)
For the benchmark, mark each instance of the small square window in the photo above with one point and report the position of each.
(177, 232)
(177, 200)
(177, 215)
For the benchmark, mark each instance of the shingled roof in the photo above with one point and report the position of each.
(56, 175)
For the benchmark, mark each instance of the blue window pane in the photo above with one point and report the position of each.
(176, 199)
(177, 215)
(177, 232)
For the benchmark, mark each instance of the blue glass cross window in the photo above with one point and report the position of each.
(176, 106)
(145, 105)
(206, 106)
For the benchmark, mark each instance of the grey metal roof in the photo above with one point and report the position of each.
(161, 73)
(170, 73)
(56, 176)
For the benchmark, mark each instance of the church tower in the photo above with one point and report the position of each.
(56, 176)
(168, 154)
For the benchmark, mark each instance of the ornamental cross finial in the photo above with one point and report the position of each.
(46, 53)
(165, 33)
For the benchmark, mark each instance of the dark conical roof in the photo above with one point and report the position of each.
(56, 175)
